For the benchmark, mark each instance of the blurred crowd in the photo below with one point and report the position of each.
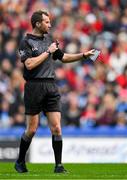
(92, 94)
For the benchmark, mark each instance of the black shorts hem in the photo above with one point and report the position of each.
(52, 111)
(32, 112)
(44, 111)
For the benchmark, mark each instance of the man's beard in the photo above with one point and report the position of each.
(44, 32)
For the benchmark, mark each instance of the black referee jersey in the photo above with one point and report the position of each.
(32, 46)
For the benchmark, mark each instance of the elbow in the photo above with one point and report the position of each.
(64, 59)
(28, 65)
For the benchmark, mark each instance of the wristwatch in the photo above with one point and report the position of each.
(84, 56)
(48, 51)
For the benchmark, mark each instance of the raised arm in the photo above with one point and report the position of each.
(33, 62)
(68, 58)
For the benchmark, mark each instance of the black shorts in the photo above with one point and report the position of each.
(41, 95)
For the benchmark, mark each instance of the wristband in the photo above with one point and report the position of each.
(58, 54)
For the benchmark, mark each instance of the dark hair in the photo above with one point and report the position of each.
(37, 17)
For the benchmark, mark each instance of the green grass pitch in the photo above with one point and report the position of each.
(75, 171)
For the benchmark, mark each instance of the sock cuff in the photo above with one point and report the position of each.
(26, 138)
(57, 137)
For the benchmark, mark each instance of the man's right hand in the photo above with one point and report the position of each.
(53, 47)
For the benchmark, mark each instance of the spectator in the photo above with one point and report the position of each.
(73, 112)
(106, 114)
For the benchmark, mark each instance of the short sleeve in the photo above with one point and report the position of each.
(24, 51)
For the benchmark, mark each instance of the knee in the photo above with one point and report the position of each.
(56, 129)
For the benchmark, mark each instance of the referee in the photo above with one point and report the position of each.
(38, 53)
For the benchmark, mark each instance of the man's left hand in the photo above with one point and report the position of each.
(89, 53)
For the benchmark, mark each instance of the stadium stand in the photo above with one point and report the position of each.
(94, 96)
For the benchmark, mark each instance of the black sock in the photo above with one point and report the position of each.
(24, 145)
(57, 147)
